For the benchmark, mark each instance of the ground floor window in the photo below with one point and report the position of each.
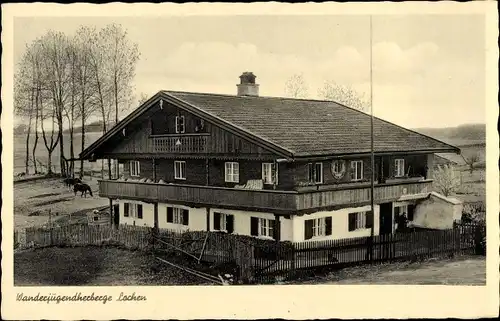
(261, 227)
(360, 220)
(223, 222)
(176, 215)
(317, 227)
(132, 210)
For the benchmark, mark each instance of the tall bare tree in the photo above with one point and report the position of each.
(84, 80)
(344, 95)
(296, 87)
(55, 50)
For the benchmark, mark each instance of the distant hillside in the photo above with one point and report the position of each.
(89, 128)
(470, 134)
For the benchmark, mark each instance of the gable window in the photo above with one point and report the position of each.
(356, 170)
(261, 227)
(180, 170)
(317, 227)
(269, 173)
(232, 172)
(176, 215)
(315, 173)
(360, 220)
(223, 222)
(132, 210)
(180, 127)
(399, 167)
(135, 168)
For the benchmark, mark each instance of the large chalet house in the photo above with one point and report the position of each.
(278, 168)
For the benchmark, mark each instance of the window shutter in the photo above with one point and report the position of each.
(139, 210)
(125, 210)
(308, 229)
(230, 223)
(254, 226)
(352, 221)
(328, 225)
(353, 170)
(411, 210)
(216, 221)
(311, 172)
(369, 219)
(185, 217)
(273, 226)
(170, 214)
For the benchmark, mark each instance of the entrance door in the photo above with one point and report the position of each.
(385, 218)
(116, 214)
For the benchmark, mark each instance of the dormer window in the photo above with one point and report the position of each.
(180, 127)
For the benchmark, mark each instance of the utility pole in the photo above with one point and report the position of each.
(372, 180)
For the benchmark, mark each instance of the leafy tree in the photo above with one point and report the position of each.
(344, 95)
(446, 180)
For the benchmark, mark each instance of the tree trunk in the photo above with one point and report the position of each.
(49, 163)
(83, 138)
(61, 144)
(36, 138)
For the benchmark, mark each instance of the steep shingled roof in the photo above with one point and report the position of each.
(298, 127)
(310, 127)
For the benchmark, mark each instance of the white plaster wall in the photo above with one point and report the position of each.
(148, 218)
(242, 222)
(197, 218)
(340, 224)
(434, 213)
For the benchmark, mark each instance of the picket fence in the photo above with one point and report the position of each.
(261, 260)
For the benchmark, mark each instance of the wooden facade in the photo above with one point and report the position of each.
(156, 134)
(291, 176)
(279, 202)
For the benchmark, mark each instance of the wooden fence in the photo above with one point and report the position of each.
(261, 260)
(287, 259)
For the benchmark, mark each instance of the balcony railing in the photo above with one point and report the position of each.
(180, 144)
(258, 200)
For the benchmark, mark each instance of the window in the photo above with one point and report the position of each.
(399, 167)
(318, 227)
(269, 173)
(356, 170)
(180, 170)
(135, 168)
(132, 210)
(179, 124)
(176, 215)
(315, 173)
(265, 227)
(261, 227)
(223, 222)
(232, 172)
(360, 220)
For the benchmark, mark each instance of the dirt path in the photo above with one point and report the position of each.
(460, 271)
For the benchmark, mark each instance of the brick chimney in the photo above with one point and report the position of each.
(247, 85)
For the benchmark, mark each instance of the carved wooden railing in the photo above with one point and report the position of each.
(180, 144)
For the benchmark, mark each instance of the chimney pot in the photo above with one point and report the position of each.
(247, 85)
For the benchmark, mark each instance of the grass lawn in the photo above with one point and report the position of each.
(467, 270)
(94, 266)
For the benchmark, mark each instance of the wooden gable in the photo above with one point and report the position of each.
(170, 131)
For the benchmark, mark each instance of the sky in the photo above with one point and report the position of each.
(428, 70)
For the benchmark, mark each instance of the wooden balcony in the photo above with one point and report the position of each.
(185, 143)
(280, 202)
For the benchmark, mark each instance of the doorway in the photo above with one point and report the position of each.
(116, 214)
(385, 218)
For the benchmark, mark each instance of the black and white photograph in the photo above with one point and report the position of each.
(254, 151)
